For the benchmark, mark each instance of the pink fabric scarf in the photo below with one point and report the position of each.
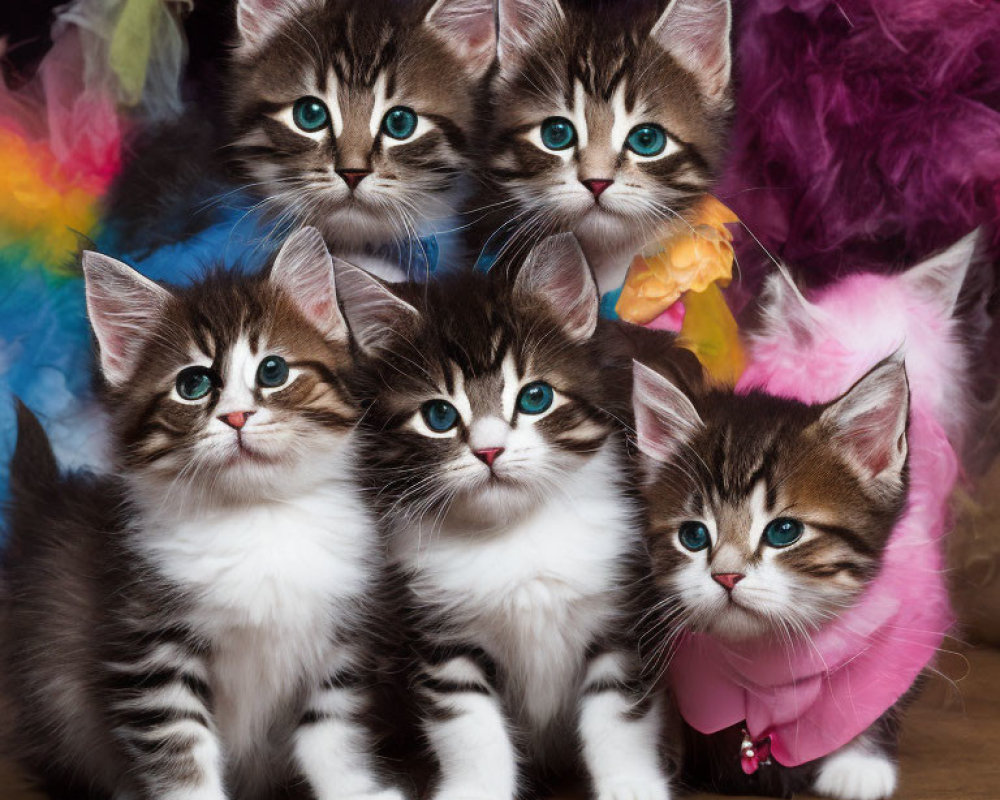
(811, 698)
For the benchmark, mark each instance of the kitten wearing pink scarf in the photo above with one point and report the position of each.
(795, 528)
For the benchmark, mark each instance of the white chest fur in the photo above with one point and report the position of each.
(534, 596)
(270, 585)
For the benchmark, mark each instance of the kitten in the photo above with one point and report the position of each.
(769, 520)
(501, 482)
(358, 119)
(606, 122)
(196, 627)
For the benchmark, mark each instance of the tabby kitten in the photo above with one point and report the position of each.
(501, 483)
(605, 122)
(768, 519)
(356, 118)
(197, 626)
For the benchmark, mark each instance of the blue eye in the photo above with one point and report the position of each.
(558, 133)
(399, 122)
(535, 398)
(194, 383)
(647, 140)
(272, 372)
(310, 114)
(783, 531)
(694, 536)
(440, 415)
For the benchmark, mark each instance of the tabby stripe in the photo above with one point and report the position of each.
(452, 687)
(150, 718)
(846, 535)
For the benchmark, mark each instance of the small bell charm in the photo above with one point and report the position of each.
(754, 754)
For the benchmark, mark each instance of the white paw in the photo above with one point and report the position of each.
(851, 775)
(631, 789)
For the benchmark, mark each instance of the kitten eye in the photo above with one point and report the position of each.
(194, 383)
(694, 536)
(647, 140)
(783, 531)
(310, 114)
(535, 398)
(399, 122)
(272, 372)
(440, 415)
(558, 133)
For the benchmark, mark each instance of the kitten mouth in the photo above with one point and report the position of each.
(244, 454)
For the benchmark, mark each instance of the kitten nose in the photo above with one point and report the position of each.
(236, 419)
(352, 177)
(488, 455)
(597, 185)
(727, 579)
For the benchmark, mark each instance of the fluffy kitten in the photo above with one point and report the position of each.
(607, 122)
(356, 118)
(500, 479)
(196, 627)
(768, 519)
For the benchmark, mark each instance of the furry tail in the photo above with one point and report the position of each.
(33, 466)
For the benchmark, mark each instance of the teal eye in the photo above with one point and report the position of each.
(440, 415)
(272, 372)
(783, 531)
(647, 140)
(535, 398)
(399, 122)
(310, 114)
(194, 383)
(558, 133)
(694, 536)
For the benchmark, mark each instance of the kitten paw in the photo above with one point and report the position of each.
(655, 789)
(856, 776)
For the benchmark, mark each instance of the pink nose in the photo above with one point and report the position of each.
(352, 177)
(489, 455)
(727, 579)
(236, 419)
(597, 186)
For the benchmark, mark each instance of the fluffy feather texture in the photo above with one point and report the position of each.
(868, 133)
(813, 352)
(60, 148)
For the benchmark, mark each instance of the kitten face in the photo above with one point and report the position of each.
(232, 389)
(482, 398)
(767, 518)
(343, 119)
(609, 126)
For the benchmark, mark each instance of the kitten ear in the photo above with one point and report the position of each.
(303, 269)
(372, 309)
(557, 271)
(939, 278)
(784, 309)
(665, 419)
(868, 422)
(258, 20)
(519, 22)
(121, 305)
(469, 28)
(696, 33)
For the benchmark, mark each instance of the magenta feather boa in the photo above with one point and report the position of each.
(867, 132)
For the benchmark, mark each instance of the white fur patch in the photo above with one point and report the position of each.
(856, 772)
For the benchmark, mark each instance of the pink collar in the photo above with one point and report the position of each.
(811, 699)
